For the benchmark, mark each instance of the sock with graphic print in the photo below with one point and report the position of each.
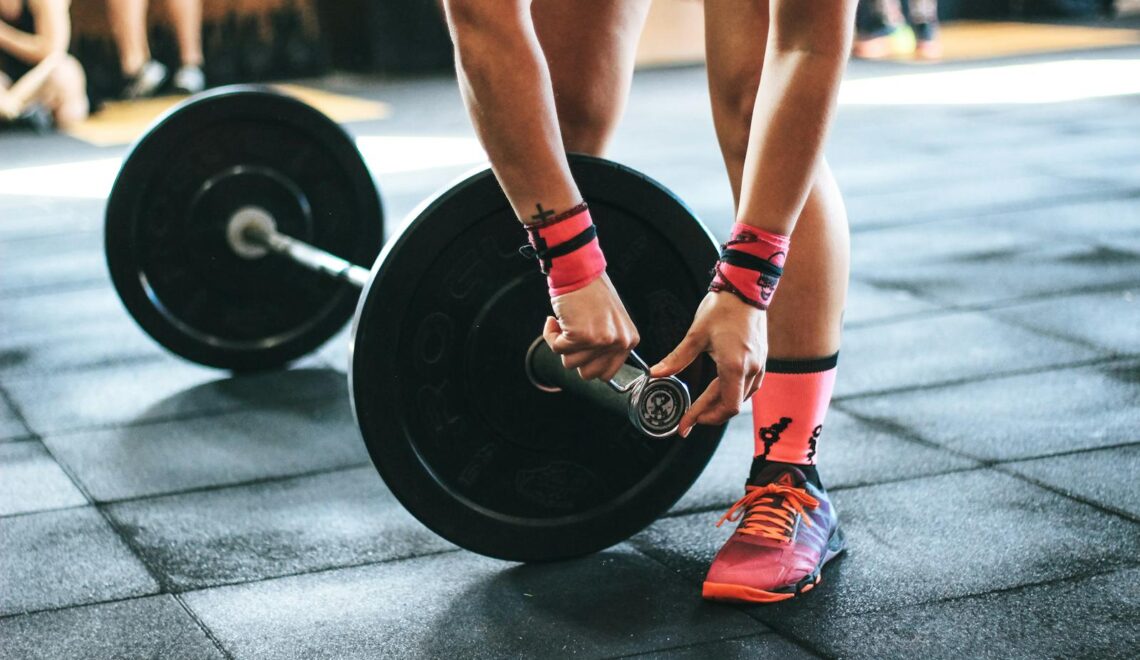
(788, 413)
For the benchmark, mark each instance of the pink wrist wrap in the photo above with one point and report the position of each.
(567, 250)
(750, 265)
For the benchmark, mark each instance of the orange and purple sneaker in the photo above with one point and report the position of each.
(788, 530)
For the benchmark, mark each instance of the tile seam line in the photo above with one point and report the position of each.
(981, 378)
(318, 571)
(904, 432)
(37, 290)
(988, 310)
(946, 308)
(1051, 334)
(202, 626)
(980, 465)
(19, 414)
(34, 375)
(694, 645)
(1080, 499)
(1009, 207)
(171, 592)
(1060, 454)
(716, 508)
(151, 572)
(195, 490)
(205, 413)
(1076, 577)
(901, 431)
(234, 486)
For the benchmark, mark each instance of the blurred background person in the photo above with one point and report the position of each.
(883, 30)
(36, 73)
(144, 75)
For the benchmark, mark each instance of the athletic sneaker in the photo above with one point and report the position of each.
(889, 41)
(927, 44)
(189, 79)
(788, 530)
(146, 82)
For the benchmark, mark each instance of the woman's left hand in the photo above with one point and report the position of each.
(735, 335)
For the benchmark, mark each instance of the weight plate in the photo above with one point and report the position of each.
(240, 149)
(440, 389)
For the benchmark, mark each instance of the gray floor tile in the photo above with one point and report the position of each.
(949, 242)
(964, 199)
(460, 605)
(167, 457)
(1108, 476)
(70, 557)
(69, 330)
(851, 453)
(129, 394)
(42, 265)
(31, 480)
(867, 303)
(1020, 416)
(1093, 617)
(944, 348)
(273, 529)
(1110, 320)
(11, 428)
(41, 217)
(1003, 276)
(929, 539)
(767, 645)
(1106, 220)
(152, 627)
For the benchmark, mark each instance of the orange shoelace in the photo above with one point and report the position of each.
(769, 511)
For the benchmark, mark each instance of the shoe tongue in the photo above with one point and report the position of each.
(779, 473)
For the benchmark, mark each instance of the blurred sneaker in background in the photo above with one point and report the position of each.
(146, 82)
(927, 44)
(888, 41)
(189, 79)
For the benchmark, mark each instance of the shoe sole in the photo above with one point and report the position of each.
(146, 86)
(738, 593)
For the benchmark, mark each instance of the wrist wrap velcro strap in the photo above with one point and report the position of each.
(751, 263)
(567, 250)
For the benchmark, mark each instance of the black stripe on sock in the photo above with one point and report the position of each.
(812, 366)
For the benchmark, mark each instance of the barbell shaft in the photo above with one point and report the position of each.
(308, 256)
(546, 369)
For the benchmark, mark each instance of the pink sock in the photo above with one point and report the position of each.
(789, 408)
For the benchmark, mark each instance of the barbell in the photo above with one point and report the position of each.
(236, 236)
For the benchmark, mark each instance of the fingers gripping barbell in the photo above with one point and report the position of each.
(226, 195)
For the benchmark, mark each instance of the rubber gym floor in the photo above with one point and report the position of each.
(983, 449)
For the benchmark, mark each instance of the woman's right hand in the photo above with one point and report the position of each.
(591, 330)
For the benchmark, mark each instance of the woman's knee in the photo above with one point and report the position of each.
(69, 88)
(735, 98)
(587, 124)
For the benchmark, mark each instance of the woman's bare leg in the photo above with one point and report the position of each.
(590, 47)
(187, 18)
(804, 319)
(128, 25)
